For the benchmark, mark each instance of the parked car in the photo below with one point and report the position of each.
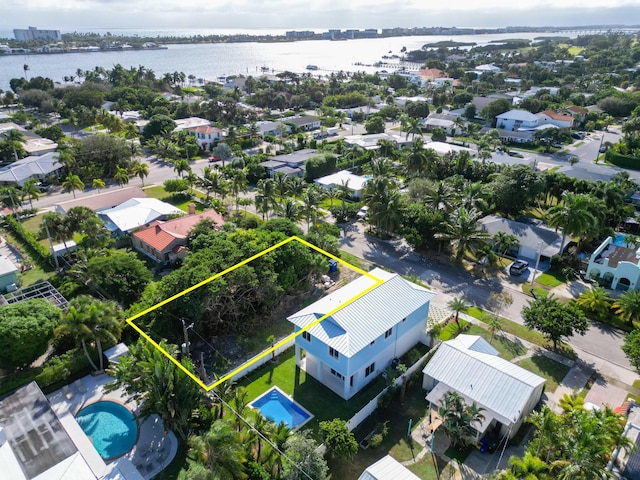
(518, 267)
(602, 149)
(515, 153)
(213, 159)
(362, 213)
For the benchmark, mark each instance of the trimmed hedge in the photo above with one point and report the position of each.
(622, 161)
(54, 374)
(32, 244)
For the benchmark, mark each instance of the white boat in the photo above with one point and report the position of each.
(312, 67)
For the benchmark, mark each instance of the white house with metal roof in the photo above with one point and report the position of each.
(353, 182)
(351, 347)
(517, 120)
(30, 167)
(136, 213)
(470, 366)
(388, 468)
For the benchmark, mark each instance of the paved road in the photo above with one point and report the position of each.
(599, 348)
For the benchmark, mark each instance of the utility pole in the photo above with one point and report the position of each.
(535, 270)
(53, 252)
(185, 331)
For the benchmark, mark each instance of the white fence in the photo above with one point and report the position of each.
(370, 407)
(253, 364)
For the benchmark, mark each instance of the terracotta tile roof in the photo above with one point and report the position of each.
(579, 110)
(160, 235)
(430, 73)
(206, 129)
(557, 116)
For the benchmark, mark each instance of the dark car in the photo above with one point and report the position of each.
(602, 149)
(518, 267)
(515, 153)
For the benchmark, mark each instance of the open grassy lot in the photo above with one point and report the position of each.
(178, 200)
(553, 372)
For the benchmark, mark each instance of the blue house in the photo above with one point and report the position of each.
(351, 347)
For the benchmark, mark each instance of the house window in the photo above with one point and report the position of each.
(306, 335)
(337, 374)
(334, 353)
(351, 381)
(370, 369)
(388, 333)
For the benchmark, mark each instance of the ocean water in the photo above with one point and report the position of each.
(209, 61)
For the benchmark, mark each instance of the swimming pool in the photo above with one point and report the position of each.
(278, 407)
(111, 427)
(619, 240)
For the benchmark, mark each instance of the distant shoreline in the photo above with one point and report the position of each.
(100, 42)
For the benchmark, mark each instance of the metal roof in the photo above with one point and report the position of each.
(30, 167)
(518, 115)
(492, 382)
(355, 326)
(387, 468)
(528, 235)
(136, 212)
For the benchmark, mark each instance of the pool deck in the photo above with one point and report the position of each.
(153, 451)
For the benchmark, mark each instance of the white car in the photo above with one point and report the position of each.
(362, 213)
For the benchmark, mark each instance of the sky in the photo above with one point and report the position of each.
(67, 15)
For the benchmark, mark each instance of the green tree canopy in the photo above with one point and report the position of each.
(554, 319)
(159, 125)
(120, 275)
(336, 435)
(25, 331)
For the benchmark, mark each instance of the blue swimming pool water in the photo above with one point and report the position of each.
(277, 407)
(111, 427)
(619, 240)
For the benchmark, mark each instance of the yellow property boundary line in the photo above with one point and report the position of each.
(206, 387)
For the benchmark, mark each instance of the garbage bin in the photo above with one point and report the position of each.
(333, 265)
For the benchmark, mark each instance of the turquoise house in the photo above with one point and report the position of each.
(348, 349)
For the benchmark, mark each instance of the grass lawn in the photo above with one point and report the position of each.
(355, 261)
(306, 390)
(552, 371)
(33, 275)
(396, 443)
(512, 327)
(537, 291)
(508, 349)
(178, 200)
(549, 280)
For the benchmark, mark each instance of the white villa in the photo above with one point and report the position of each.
(616, 262)
(517, 120)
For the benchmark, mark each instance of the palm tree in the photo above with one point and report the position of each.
(221, 450)
(121, 176)
(281, 183)
(72, 183)
(474, 195)
(416, 158)
(458, 305)
(290, 209)
(503, 242)
(15, 139)
(92, 321)
(26, 68)
(181, 166)
(526, 468)
(596, 301)
(30, 190)
(98, 183)
(627, 306)
(572, 214)
(140, 170)
(238, 184)
(311, 198)
(458, 418)
(464, 232)
(413, 127)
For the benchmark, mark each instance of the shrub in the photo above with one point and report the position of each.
(375, 440)
(34, 247)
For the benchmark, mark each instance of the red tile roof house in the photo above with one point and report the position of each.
(164, 241)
